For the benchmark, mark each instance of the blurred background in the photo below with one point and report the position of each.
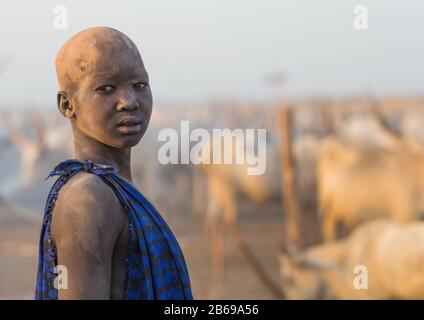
(338, 212)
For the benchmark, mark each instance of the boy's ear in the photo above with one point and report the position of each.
(64, 105)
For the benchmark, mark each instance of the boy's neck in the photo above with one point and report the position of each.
(120, 159)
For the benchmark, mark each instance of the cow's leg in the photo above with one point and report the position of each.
(329, 225)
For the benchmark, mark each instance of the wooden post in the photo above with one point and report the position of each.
(292, 226)
(325, 112)
(217, 248)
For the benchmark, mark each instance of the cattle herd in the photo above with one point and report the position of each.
(359, 177)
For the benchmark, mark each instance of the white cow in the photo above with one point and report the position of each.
(382, 259)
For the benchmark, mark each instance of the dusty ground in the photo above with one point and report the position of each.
(18, 258)
(262, 230)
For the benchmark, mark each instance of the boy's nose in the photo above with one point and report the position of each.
(127, 101)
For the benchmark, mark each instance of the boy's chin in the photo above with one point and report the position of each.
(126, 141)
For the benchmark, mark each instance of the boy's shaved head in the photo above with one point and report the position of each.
(90, 50)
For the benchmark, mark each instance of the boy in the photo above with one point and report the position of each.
(99, 233)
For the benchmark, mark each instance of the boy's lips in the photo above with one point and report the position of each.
(130, 129)
(129, 121)
(129, 125)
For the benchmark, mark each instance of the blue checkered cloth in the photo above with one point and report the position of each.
(155, 266)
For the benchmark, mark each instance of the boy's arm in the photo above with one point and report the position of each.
(86, 223)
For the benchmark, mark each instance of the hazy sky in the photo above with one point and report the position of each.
(198, 49)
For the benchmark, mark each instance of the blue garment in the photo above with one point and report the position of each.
(155, 268)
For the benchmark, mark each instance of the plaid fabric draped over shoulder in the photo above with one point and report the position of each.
(155, 266)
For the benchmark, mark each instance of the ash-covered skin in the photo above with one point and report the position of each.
(102, 80)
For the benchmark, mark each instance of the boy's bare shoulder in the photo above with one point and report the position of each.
(87, 189)
(86, 207)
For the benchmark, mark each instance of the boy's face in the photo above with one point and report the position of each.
(117, 88)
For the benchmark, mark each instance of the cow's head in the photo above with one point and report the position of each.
(303, 277)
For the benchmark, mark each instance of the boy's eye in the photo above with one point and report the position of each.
(140, 85)
(105, 89)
